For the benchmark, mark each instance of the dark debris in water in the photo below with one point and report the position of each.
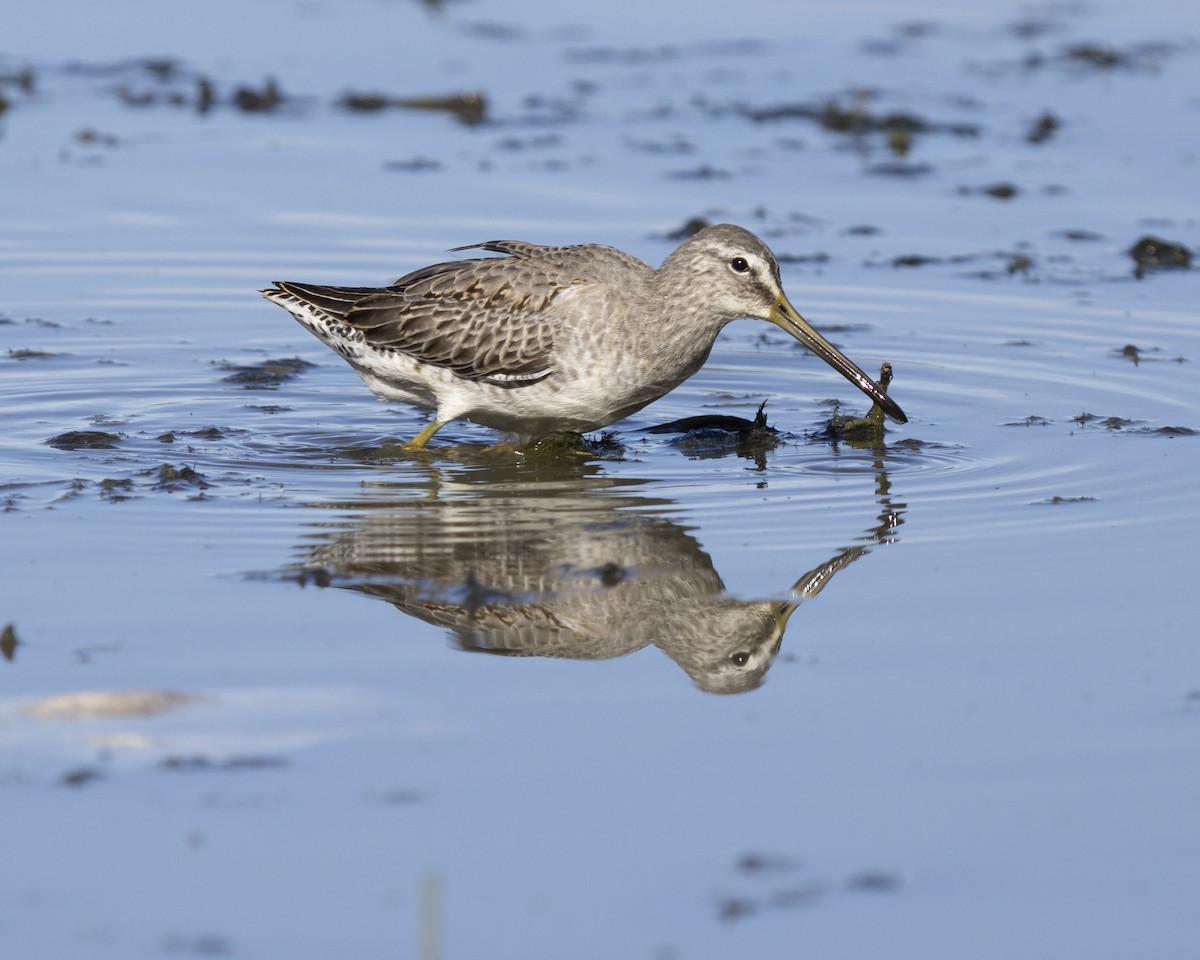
(85, 440)
(203, 433)
(1145, 55)
(116, 489)
(1033, 420)
(30, 354)
(997, 191)
(1097, 56)
(1109, 423)
(915, 260)
(22, 80)
(1007, 264)
(1170, 431)
(804, 258)
(90, 136)
(262, 99)
(157, 82)
(172, 478)
(759, 863)
(469, 107)
(206, 433)
(855, 118)
(851, 430)
(1043, 128)
(710, 421)
(792, 886)
(80, 777)
(9, 642)
(921, 260)
(1057, 500)
(1136, 354)
(916, 445)
(716, 435)
(164, 478)
(1126, 425)
(267, 375)
(1018, 263)
(43, 322)
(1153, 253)
(861, 432)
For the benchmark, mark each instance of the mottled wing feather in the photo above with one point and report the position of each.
(492, 319)
(334, 301)
(514, 248)
(483, 319)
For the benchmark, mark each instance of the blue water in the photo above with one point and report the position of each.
(977, 734)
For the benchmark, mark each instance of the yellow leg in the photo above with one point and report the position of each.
(417, 443)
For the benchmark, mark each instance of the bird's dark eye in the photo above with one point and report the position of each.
(739, 659)
(739, 265)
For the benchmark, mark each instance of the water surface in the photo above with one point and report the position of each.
(270, 690)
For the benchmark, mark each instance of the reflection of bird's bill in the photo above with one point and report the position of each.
(783, 613)
(786, 317)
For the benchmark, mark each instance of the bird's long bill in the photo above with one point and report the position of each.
(786, 317)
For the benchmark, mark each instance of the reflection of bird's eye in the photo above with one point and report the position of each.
(740, 659)
(611, 574)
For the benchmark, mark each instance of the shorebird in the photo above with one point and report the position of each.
(545, 339)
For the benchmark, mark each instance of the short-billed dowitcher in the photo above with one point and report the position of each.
(544, 339)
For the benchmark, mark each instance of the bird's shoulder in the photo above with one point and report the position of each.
(524, 270)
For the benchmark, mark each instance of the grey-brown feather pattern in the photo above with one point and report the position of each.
(485, 319)
(588, 333)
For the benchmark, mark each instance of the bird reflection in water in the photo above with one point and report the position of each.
(579, 566)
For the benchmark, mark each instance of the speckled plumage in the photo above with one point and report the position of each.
(566, 564)
(553, 338)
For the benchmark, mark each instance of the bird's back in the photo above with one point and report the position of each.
(488, 318)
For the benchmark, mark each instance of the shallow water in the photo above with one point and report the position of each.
(270, 691)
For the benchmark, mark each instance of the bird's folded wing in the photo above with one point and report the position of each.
(490, 320)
